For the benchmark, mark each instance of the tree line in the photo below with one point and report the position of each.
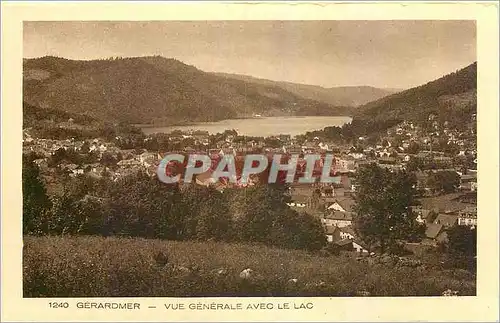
(141, 206)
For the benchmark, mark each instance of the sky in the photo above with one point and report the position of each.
(386, 54)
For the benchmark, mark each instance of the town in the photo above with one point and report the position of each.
(443, 160)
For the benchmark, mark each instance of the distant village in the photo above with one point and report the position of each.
(427, 152)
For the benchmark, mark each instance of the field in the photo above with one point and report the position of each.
(95, 266)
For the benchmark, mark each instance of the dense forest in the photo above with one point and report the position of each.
(452, 97)
(155, 89)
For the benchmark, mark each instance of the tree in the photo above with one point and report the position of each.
(90, 214)
(273, 142)
(59, 155)
(254, 210)
(203, 214)
(461, 247)
(85, 148)
(302, 231)
(397, 141)
(108, 159)
(231, 132)
(62, 218)
(35, 199)
(74, 210)
(383, 214)
(356, 149)
(413, 148)
(80, 186)
(260, 214)
(462, 241)
(139, 205)
(444, 181)
(452, 149)
(213, 218)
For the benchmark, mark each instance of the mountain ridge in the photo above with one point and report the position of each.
(450, 99)
(156, 90)
(351, 95)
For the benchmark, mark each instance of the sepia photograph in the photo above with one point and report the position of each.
(247, 158)
(249, 161)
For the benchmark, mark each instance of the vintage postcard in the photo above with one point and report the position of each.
(249, 161)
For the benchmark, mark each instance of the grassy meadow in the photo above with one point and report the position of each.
(88, 266)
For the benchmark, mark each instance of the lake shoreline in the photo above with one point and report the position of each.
(255, 126)
(191, 123)
(186, 123)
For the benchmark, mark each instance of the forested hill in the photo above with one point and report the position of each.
(339, 96)
(33, 116)
(155, 89)
(451, 98)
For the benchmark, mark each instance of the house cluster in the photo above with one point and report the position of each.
(333, 204)
(407, 132)
(108, 158)
(394, 151)
(444, 212)
(47, 147)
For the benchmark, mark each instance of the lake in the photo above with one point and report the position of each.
(260, 127)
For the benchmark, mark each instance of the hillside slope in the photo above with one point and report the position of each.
(33, 116)
(451, 98)
(338, 96)
(59, 266)
(155, 90)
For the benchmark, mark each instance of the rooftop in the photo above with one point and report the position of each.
(433, 230)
